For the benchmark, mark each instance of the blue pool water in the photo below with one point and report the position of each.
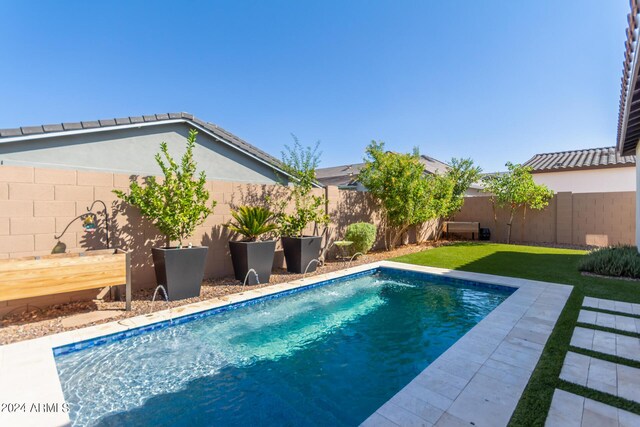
(330, 355)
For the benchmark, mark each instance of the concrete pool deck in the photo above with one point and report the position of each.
(479, 379)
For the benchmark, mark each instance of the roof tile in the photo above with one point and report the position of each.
(162, 116)
(10, 132)
(123, 121)
(150, 118)
(107, 122)
(579, 159)
(53, 128)
(136, 119)
(90, 124)
(72, 126)
(30, 130)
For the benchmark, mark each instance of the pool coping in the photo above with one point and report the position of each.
(28, 372)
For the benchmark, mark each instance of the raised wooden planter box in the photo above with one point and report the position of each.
(55, 274)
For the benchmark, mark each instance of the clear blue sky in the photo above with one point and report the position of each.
(491, 80)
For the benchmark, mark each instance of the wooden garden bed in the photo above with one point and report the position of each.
(54, 274)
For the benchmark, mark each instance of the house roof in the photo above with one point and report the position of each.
(61, 129)
(347, 175)
(591, 158)
(339, 175)
(629, 108)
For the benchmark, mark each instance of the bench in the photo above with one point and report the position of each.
(462, 227)
(53, 274)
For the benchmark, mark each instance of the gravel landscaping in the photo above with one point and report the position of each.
(38, 323)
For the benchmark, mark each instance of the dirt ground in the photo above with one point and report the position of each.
(49, 320)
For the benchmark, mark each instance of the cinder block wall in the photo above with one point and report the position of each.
(595, 219)
(37, 204)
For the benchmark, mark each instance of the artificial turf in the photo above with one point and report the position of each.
(549, 265)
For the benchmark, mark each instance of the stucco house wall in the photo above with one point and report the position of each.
(589, 180)
(131, 151)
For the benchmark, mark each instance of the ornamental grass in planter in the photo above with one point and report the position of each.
(252, 223)
(300, 249)
(175, 206)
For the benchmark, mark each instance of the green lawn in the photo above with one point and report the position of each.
(550, 265)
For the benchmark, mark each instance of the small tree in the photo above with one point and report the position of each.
(301, 163)
(397, 181)
(462, 173)
(178, 204)
(515, 189)
(459, 177)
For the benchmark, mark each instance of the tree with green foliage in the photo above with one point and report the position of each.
(463, 173)
(301, 163)
(177, 204)
(449, 188)
(397, 181)
(515, 190)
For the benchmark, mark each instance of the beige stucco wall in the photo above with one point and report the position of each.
(589, 180)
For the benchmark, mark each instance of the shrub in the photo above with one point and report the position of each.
(252, 222)
(177, 204)
(363, 236)
(616, 261)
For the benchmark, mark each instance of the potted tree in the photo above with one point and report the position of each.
(252, 222)
(176, 205)
(300, 249)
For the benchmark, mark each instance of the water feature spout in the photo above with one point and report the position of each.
(166, 298)
(316, 260)
(354, 255)
(251, 270)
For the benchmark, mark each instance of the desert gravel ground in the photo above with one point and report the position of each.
(49, 320)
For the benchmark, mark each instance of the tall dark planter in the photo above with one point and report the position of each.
(180, 271)
(299, 251)
(256, 255)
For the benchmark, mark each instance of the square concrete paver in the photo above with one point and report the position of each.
(611, 305)
(613, 321)
(575, 368)
(607, 377)
(90, 317)
(570, 410)
(607, 343)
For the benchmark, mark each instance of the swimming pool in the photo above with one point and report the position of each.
(325, 354)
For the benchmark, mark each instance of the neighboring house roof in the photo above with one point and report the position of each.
(432, 165)
(347, 175)
(629, 109)
(61, 129)
(591, 158)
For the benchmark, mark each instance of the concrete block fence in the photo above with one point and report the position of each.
(594, 219)
(36, 204)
